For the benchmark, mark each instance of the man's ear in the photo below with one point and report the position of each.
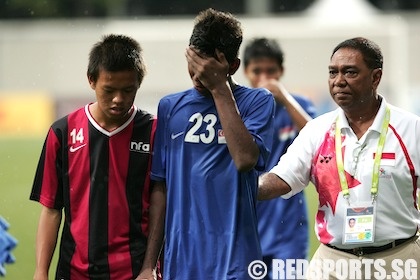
(377, 75)
(92, 82)
(281, 71)
(234, 66)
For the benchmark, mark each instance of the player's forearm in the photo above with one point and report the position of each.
(240, 142)
(46, 240)
(156, 225)
(271, 186)
(296, 112)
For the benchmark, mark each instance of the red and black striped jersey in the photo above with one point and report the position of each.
(101, 180)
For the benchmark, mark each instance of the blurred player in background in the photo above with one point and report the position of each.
(95, 167)
(282, 224)
(210, 141)
(7, 245)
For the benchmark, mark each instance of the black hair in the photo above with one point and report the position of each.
(116, 53)
(217, 30)
(263, 48)
(370, 51)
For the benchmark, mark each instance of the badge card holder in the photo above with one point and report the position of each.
(359, 224)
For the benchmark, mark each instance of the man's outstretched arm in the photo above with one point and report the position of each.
(271, 186)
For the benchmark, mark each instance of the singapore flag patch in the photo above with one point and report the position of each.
(221, 137)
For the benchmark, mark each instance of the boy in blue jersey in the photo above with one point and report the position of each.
(282, 224)
(210, 141)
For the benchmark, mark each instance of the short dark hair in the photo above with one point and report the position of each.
(263, 48)
(217, 30)
(116, 53)
(370, 51)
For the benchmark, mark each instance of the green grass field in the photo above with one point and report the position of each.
(18, 160)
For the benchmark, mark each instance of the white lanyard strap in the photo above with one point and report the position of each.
(376, 162)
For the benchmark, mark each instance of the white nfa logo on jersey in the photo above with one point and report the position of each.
(140, 147)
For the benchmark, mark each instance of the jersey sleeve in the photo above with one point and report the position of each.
(259, 122)
(158, 172)
(47, 185)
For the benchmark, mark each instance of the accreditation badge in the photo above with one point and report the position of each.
(359, 224)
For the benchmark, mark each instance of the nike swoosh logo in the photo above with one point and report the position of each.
(73, 149)
(173, 136)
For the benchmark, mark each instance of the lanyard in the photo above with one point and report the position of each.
(376, 162)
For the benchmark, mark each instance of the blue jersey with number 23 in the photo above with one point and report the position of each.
(211, 223)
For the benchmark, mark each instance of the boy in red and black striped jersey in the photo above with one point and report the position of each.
(95, 166)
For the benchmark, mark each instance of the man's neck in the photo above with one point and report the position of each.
(360, 120)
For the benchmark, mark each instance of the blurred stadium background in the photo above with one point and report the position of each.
(44, 48)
